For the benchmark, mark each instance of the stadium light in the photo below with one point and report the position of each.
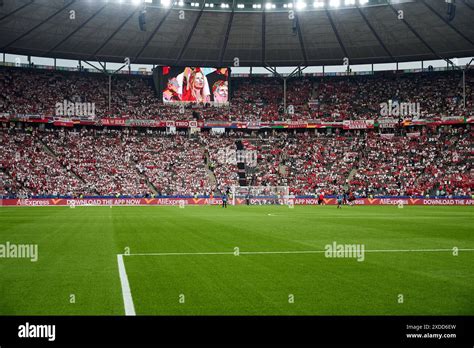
(166, 3)
(240, 6)
(149, 1)
(334, 3)
(136, 2)
(363, 2)
(269, 6)
(318, 4)
(300, 5)
(349, 2)
(256, 6)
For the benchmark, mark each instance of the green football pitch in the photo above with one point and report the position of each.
(257, 260)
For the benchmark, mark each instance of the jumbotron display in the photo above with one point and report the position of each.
(195, 85)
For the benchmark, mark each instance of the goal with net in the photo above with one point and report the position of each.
(261, 195)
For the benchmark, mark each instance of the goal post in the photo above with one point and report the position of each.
(277, 195)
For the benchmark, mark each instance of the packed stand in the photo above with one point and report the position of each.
(33, 170)
(329, 98)
(129, 162)
(435, 163)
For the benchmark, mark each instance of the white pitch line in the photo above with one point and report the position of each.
(412, 250)
(127, 294)
(292, 252)
(179, 254)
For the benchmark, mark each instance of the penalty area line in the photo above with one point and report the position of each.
(292, 252)
(126, 292)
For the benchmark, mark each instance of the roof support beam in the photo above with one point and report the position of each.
(467, 4)
(103, 65)
(448, 23)
(375, 33)
(123, 66)
(92, 65)
(300, 37)
(15, 11)
(113, 34)
(153, 33)
(415, 33)
(188, 39)
(227, 33)
(454, 66)
(273, 71)
(468, 65)
(263, 32)
(75, 31)
(277, 74)
(298, 69)
(38, 25)
(343, 48)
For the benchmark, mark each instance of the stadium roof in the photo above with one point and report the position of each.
(108, 30)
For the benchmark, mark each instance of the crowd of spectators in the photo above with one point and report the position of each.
(330, 98)
(360, 97)
(93, 161)
(431, 163)
(104, 162)
(37, 92)
(30, 170)
(114, 162)
(304, 162)
(128, 162)
(8, 185)
(173, 164)
(221, 152)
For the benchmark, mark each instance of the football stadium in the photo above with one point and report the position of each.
(277, 158)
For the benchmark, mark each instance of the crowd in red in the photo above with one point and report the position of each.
(367, 164)
(93, 161)
(106, 162)
(436, 163)
(30, 170)
(330, 98)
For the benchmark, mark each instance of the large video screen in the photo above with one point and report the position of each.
(195, 85)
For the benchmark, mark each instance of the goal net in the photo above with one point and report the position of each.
(260, 195)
